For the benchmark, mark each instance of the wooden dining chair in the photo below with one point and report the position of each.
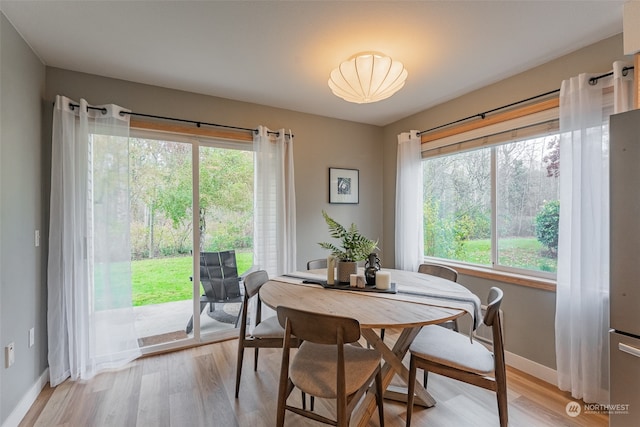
(446, 273)
(315, 264)
(439, 271)
(267, 333)
(451, 354)
(326, 365)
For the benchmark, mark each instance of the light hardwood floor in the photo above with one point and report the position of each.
(195, 387)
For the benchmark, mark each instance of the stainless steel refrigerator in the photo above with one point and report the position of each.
(624, 295)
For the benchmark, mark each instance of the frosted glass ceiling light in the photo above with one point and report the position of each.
(367, 77)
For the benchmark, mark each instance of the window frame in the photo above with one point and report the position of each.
(479, 133)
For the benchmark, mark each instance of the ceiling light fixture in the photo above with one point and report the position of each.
(367, 77)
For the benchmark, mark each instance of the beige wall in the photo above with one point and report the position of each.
(529, 313)
(22, 282)
(319, 143)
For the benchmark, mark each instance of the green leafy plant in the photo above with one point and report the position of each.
(547, 225)
(355, 247)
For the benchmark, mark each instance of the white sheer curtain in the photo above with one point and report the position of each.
(582, 297)
(90, 316)
(274, 243)
(409, 201)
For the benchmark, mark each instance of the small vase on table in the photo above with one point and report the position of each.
(371, 268)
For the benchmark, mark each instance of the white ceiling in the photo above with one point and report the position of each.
(280, 53)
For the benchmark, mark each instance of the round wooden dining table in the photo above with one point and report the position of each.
(373, 310)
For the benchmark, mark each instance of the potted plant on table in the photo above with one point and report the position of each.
(354, 247)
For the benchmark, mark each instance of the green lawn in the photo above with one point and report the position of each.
(526, 253)
(159, 280)
(162, 280)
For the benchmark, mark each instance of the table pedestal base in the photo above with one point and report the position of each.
(392, 366)
(399, 394)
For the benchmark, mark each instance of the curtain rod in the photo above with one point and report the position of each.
(194, 122)
(592, 81)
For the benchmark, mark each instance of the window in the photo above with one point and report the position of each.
(163, 192)
(457, 206)
(492, 200)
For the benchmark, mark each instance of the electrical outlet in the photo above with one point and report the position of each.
(37, 238)
(9, 355)
(32, 337)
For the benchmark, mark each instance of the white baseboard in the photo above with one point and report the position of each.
(532, 368)
(13, 420)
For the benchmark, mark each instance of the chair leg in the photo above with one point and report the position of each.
(304, 400)
(239, 365)
(425, 378)
(239, 315)
(189, 327)
(282, 401)
(255, 360)
(283, 392)
(411, 390)
(343, 418)
(503, 411)
(503, 404)
(380, 397)
(285, 385)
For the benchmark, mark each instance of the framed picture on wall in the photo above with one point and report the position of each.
(343, 185)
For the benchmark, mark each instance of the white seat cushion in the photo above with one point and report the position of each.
(268, 328)
(449, 348)
(314, 368)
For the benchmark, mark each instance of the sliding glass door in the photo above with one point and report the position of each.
(161, 200)
(164, 170)
(225, 195)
